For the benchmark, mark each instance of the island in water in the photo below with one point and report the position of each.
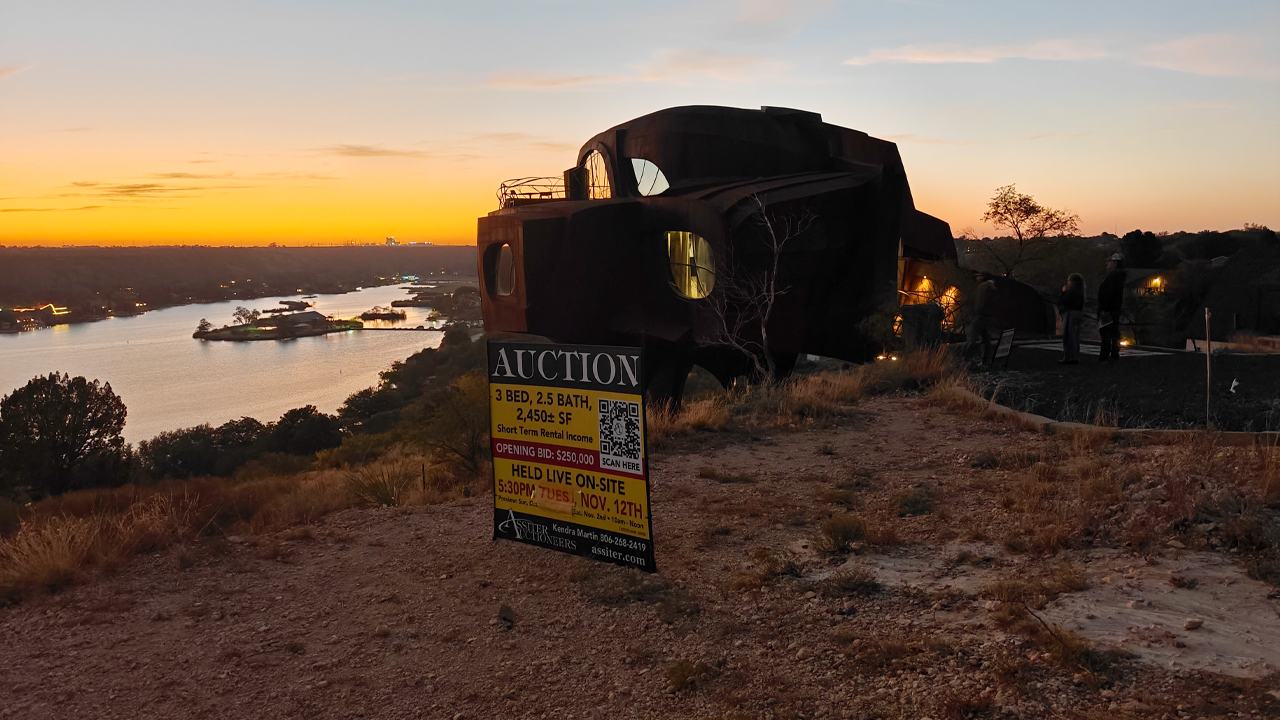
(250, 326)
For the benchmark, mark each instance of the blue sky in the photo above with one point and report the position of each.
(261, 121)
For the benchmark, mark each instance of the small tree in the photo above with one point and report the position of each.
(1141, 249)
(454, 421)
(746, 300)
(204, 326)
(245, 316)
(305, 431)
(60, 433)
(1029, 224)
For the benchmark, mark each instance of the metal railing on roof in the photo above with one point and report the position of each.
(530, 189)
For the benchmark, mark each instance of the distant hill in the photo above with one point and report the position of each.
(90, 279)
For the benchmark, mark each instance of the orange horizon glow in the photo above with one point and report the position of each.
(257, 123)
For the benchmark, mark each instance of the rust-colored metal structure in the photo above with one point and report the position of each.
(636, 244)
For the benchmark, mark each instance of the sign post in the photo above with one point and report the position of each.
(1004, 348)
(1208, 371)
(570, 467)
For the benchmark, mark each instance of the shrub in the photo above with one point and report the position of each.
(380, 484)
(917, 501)
(840, 532)
(686, 674)
(766, 566)
(857, 581)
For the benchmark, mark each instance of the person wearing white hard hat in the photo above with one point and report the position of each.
(1110, 301)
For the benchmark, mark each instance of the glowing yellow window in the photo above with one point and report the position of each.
(693, 266)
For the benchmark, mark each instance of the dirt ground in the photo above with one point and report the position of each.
(1157, 391)
(397, 613)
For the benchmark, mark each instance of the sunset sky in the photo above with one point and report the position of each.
(238, 122)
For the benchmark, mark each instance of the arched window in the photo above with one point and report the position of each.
(506, 271)
(693, 265)
(597, 176)
(499, 270)
(649, 179)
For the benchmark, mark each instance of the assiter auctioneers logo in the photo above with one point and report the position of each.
(570, 466)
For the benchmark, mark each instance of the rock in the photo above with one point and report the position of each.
(382, 631)
(1192, 624)
(1176, 544)
(322, 684)
(810, 594)
(802, 653)
(506, 616)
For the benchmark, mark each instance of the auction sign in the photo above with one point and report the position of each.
(570, 471)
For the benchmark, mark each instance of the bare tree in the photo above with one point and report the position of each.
(1029, 224)
(744, 306)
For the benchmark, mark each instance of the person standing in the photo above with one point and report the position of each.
(1071, 305)
(1110, 300)
(983, 317)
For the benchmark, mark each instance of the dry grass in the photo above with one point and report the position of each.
(916, 501)
(858, 582)
(661, 423)
(686, 675)
(1268, 482)
(52, 553)
(822, 395)
(724, 476)
(765, 567)
(841, 532)
(803, 398)
(1016, 596)
(63, 539)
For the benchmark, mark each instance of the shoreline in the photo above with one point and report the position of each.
(151, 308)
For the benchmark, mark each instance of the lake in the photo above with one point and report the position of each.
(169, 380)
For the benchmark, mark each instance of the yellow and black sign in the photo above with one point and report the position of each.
(570, 470)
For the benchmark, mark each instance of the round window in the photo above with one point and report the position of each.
(693, 265)
(597, 176)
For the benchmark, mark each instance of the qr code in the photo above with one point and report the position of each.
(620, 429)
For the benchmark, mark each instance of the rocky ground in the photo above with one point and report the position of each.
(399, 613)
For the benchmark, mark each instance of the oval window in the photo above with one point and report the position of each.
(505, 274)
(693, 266)
(649, 179)
(597, 176)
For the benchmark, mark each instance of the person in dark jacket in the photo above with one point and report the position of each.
(1110, 299)
(982, 322)
(1071, 305)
